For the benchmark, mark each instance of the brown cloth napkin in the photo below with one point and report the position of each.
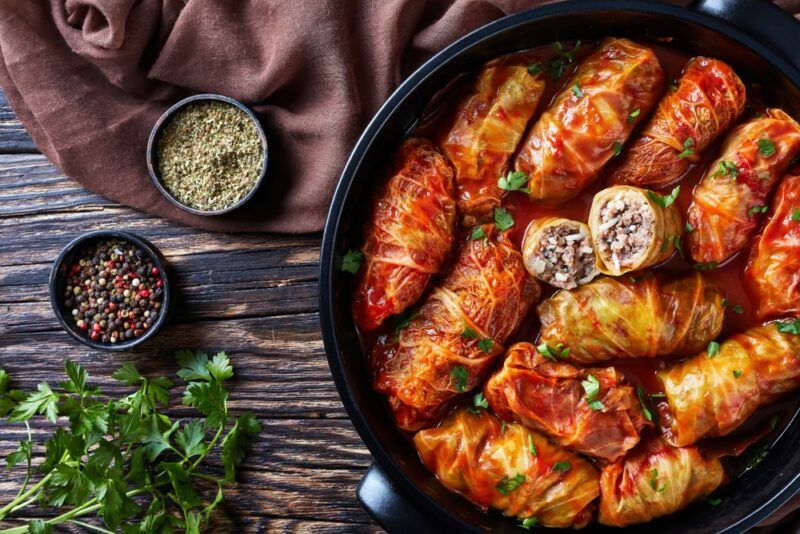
(89, 78)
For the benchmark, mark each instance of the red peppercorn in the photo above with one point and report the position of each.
(154, 270)
(159, 283)
(144, 293)
(96, 327)
(84, 326)
(95, 336)
(76, 269)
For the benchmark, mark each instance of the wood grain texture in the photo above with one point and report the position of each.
(252, 295)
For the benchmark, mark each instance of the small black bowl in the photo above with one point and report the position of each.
(58, 278)
(155, 136)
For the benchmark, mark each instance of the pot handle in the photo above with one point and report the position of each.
(761, 19)
(390, 507)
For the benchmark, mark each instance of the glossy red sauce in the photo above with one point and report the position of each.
(740, 311)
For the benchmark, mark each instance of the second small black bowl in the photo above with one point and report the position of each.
(155, 137)
(60, 272)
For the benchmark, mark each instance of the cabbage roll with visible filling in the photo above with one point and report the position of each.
(714, 392)
(458, 332)
(590, 119)
(633, 318)
(656, 480)
(510, 468)
(593, 411)
(488, 125)
(559, 252)
(409, 234)
(728, 202)
(633, 228)
(708, 100)
(773, 269)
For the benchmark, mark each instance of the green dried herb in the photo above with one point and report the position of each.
(210, 155)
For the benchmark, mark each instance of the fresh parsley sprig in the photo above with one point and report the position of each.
(112, 450)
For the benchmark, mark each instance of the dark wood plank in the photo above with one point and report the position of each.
(13, 136)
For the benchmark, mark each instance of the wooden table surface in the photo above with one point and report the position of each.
(252, 295)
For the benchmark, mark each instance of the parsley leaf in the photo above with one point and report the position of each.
(514, 181)
(236, 443)
(616, 148)
(469, 333)
(727, 168)
(796, 214)
(478, 233)
(479, 401)
(485, 345)
(562, 467)
(667, 200)
(402, 321)
(461, 376)
(737, 309)
(756, 209)
(531, 446)
(506, 485)
(687, 148)
(560, 351)
(737, 373)
(633, 114)
(534, 69)
(528, 522)
(766, 147)
(789, 327)
(576, 90)
(503, 219)
(712, 350)
(591, 386)
(648, 415)
(713, 501)
(351, 262)
(773, 422)
(654, 481)
(705, 266)
(43, 402)
(688, 228)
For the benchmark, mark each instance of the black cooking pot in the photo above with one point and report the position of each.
(757, 38)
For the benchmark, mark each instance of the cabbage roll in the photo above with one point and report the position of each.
(409, 234)
(632, 229)
(714, 392)
(559, 252)
(488, 125)
(455, 336)
(593, 411)
(633, 318)
(727, 203)
(773, 270)
(708, 100)
(590, 119)
(510, 468)
(656, 480)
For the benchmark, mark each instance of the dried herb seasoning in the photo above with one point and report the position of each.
(210, 155)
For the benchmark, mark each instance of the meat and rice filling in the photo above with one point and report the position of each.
(627, 223)
(562, 256)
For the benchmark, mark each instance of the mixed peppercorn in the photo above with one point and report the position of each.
(113, 291)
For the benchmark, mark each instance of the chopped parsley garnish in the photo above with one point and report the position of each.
(351, 261)
(503, 428)
(676, 241)
(402, 321)
(724, 302)
(766, 147)
(478, 233)
(737, 373)
(688, 228)
(469, 333)
(479, 401)
(576, 90)
(773, 422)
(617, 148)
(759, 453)
(706, 266)
(560, 351)
(654, 481)
(687, 148)
(514, 181)
(503, 219)
(713, 501)
(562, 467)
(645, 408)
(667, 200)
(531, 446)
(673, 87)
(756, 209)
(485, 345)
(633, 114)
(534, 69)
(727, 168)
(712, 350)
(528, 522)
(555, 67)
(789, 327)
(507, 485)
(737, 309)
(592, 388)
(796, 214)
(658, 395)
(461, 376)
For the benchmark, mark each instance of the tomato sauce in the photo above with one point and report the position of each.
(740, 310)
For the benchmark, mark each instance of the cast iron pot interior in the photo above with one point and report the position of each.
(748, 499)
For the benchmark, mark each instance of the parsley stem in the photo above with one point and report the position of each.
(7, 509)
(89, 526)
(210, 446)
(29, 455)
